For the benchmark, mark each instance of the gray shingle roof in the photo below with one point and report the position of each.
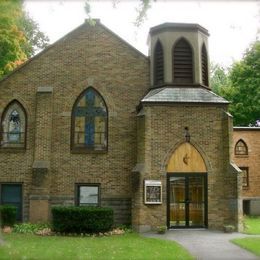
(183, 95)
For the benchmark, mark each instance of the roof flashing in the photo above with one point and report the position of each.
(173, 27)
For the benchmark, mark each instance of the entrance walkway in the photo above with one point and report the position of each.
(208, 245)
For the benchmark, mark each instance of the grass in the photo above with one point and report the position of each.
(252, 225)
(250, 244)
(128, 246)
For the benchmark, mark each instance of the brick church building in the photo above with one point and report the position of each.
(92, 121)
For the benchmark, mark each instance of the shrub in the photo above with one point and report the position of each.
(29, 228)
(81, 219)
(7, 215)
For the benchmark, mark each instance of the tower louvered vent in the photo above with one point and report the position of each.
(182, 62)
(158, 64)
(204, 66)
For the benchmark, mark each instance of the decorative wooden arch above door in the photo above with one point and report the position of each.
(186, 158)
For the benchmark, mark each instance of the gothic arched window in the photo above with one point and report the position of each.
(89, 122)
(158, 64)
(204, 65)
(182, 60)
(13, 126)
(241, 148)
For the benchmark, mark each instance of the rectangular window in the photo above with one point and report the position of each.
(11, 194)
(245, 179)
(88, 195)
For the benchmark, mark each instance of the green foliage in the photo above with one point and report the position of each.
(35, 39)
(129, 246)
(219, 78)
(20, 36)
(161, 229)
(252, 225)
(28, 228)
(241, 86)
(141, 10)
(249, 243)
(245, 91)
(81, 219)
(7, 215)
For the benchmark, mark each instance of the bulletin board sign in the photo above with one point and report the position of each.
(152, 192)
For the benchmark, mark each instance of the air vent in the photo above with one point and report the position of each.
(158, 64)
(182, 62)
(204, 66)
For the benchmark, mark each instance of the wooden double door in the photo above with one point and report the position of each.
(187, 200)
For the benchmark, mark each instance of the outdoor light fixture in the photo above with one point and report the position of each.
(187, 134)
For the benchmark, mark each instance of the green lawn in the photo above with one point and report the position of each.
(252, 225)
(128, 246)
(250, 243)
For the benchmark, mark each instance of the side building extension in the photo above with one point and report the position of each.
(246, 154)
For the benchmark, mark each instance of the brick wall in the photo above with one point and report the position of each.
(252, 139)
(164, 131)
(89, 56)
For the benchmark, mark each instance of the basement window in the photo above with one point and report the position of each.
(88, 195)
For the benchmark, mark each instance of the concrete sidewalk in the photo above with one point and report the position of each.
(207, 244)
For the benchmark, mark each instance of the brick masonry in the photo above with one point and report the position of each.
(210, 134)
(89, 56)
(251, 137)
(49, 84)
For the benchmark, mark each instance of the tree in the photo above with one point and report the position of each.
(218, 78)
(245, 93)
(20, 36)
(144, 6)
(241, 86)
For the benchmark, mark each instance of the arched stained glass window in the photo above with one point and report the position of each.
(182, 62)
(241, 148)
(13, 126)
(89, 122)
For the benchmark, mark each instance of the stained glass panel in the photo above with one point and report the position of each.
(13, 126)
(90, 121)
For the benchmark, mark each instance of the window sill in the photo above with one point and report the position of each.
(12, 149)
(87, 151)
(241, 155)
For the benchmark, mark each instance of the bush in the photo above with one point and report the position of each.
(29, 228)
(7, 215)
(81, 219)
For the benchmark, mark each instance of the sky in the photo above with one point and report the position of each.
(232, 25)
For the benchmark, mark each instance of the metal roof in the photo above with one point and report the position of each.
(178, 26)
(246, 128)
(183, 95)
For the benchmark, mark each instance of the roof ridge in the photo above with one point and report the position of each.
(153, 92)
(97, 21)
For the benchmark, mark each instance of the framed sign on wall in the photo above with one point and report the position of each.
(152, 192)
